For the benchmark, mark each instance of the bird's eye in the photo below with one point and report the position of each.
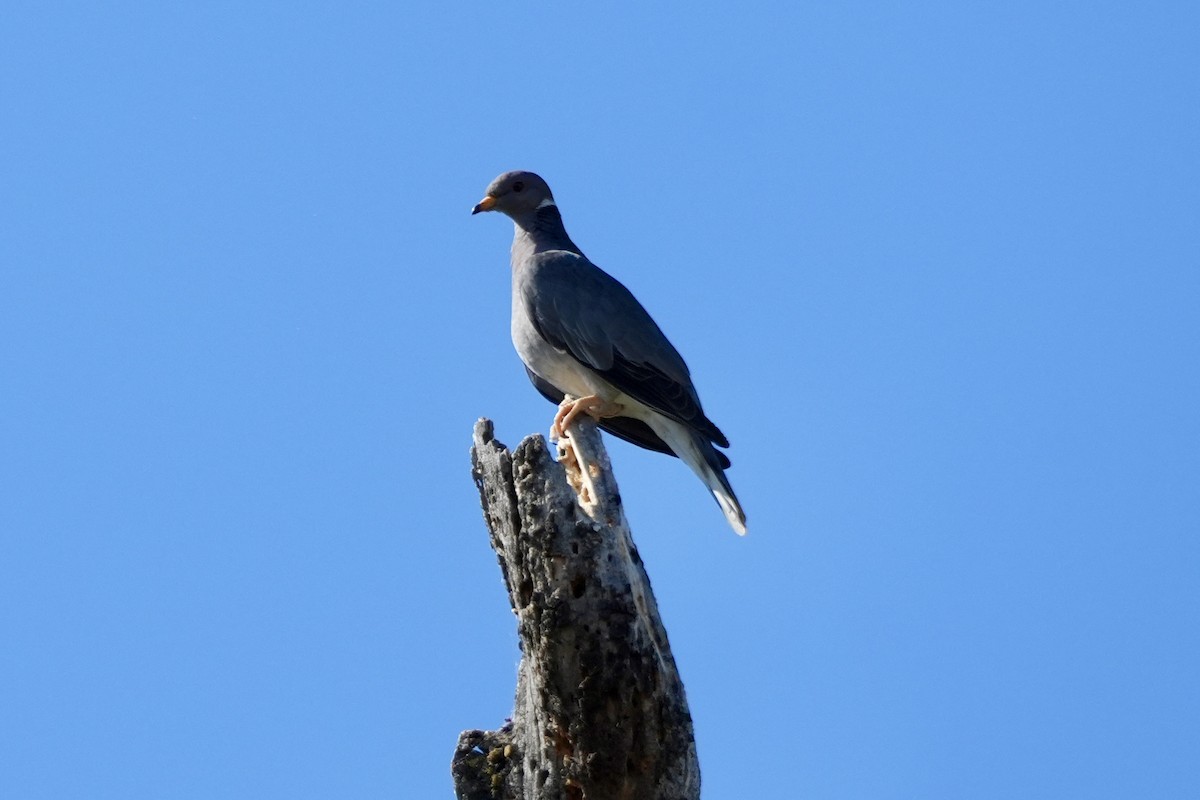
(518, 186)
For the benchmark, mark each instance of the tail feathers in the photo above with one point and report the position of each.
(714, 478)
(695, 450)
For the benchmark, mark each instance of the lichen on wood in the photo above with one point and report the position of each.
(600, 710)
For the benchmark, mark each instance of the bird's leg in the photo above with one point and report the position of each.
(568, 410)
(592, 405)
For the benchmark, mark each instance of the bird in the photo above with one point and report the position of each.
(589, 345)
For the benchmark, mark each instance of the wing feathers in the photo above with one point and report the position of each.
(584, 311)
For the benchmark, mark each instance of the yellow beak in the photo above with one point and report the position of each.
(485, 204)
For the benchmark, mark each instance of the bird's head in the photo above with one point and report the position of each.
(517, 194)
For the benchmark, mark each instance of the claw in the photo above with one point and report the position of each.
(570, 408)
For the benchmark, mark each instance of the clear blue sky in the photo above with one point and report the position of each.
(936, 270)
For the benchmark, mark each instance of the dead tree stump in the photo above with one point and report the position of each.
(600, 711)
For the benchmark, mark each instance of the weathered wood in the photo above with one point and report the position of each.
(600, 709)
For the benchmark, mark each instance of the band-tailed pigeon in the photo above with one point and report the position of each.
(580, 332)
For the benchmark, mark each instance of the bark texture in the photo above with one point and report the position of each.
(600, 711)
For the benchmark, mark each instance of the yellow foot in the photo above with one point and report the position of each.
(570, 408)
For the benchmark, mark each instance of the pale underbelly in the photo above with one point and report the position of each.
(559, 368)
